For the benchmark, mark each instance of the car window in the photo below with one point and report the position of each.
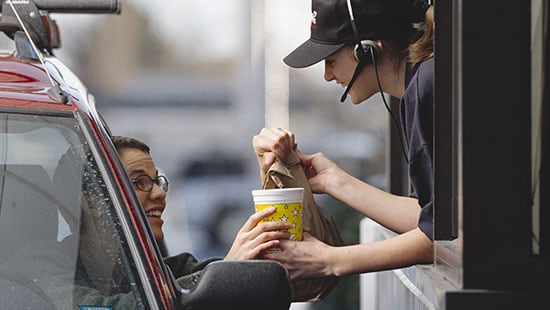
(61, 239)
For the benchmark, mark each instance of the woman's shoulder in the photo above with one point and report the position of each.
(420, 85)
(425, 73)
(423, 82)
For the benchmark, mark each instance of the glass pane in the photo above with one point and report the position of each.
(61, 242)
(448, 250)
(538, 31)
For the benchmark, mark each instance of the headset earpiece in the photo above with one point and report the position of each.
(366, 51)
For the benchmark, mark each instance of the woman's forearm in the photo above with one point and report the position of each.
(404, 250)
(396, 213)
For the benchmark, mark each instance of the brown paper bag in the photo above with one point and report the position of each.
(317, 221)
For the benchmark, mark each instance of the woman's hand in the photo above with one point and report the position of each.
(253, 239)
(321, 172)
(303, 259)
(271, 144)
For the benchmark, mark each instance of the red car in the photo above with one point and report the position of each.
(72, 232)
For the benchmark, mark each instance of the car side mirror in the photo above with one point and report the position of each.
(252, 284)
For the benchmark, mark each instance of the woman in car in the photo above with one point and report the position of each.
(251, 241)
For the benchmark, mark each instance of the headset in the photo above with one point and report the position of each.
(366, 52)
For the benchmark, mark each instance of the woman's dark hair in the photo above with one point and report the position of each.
(122, 143)
(416, 44)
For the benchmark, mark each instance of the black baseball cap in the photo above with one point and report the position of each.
(331, 26)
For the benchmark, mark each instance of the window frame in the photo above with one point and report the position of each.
(482, 147)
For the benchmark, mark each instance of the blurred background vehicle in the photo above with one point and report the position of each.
(214, 188)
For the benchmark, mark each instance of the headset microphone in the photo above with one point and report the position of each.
(358, 68)
(365, 52)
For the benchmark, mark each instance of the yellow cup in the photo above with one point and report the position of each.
(288, 203)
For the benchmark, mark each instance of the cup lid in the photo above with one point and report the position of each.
(278, 195)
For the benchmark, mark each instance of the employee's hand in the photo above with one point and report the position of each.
(270, 144)
(321, 172)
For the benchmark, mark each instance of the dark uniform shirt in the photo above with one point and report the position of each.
(417, 108)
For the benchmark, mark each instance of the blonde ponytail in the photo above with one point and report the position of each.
(423, 48)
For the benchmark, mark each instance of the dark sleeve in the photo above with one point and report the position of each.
(417, 112)
(426, 222)
(186, 268)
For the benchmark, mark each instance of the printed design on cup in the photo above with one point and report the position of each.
(287, 212)
(288, 203)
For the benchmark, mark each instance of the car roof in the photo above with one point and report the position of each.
(25, 84)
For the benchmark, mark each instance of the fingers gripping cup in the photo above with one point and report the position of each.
(288, 204)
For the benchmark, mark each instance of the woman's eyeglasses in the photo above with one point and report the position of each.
(145, 183)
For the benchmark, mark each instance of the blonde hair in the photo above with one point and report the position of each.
(423, 48)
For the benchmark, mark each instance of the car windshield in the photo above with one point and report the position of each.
(61, 239)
